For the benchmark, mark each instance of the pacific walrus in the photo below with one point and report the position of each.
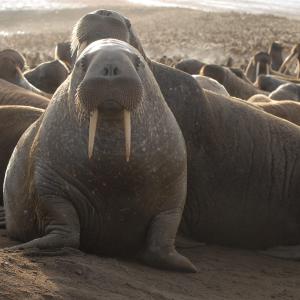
(190, 66)
(290, 91)
(269, 83)
(48, 76)
(63, 53)
(259, 64)
(234, 85)
(12, 64)
(275, 52)
(77, 187)
(291, 58)
(285, 109)
(239, 73)
(10, 94)
(14, 120)
(210, 84)
(221, 137)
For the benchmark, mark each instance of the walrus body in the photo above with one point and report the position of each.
(259, 64)
(234, 85)
(14, 120)
(112, 203)
(210, 84)
(290, 91)
(48, 76)
(231, 146)
(10, 94)
(190, 66)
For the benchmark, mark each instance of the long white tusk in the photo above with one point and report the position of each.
(298, 69)
(92, 131)
(287, 63)
(257, 70)
(127, 129)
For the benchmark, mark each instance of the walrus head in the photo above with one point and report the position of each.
(107, 80)
(103, 24)
(262, 61)
(12, 64)
(292, 57)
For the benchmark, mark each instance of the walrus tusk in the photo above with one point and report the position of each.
(92, 131)
(257, 70)
(127, 129)
(286, 64)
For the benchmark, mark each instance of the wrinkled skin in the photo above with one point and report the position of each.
(102, 203)
(234, 85)
(10, 94)
(12, 64)
(14, 120)
(259, 64)
(275, 53)
(225, 136)
(190, 66)
(48, 76)
(288, 91)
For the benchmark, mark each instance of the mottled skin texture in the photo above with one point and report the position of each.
(48, 76)
(234, 85)
(275, 53)
(14, 120)
(12, 64)
(290, 91)
(10, 94)
(264, 59)
(190, 66)
(225, 136)
(104, 205)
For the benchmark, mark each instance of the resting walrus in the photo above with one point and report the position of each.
(224, 139)
(80, 178)
(14, 120)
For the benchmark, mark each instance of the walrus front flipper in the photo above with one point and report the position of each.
(160, 251)
(2, 217)
(284, 252)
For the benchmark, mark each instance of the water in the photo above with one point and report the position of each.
(289, 8)
(36, 4)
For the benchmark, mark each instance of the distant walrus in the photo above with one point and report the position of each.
(10, 94)
(259, 64)
(12, 64)
(223, 136)
(210, 84)
(234, 85)
(14, 120)
(275, 52)
(48, 76)
(63, 53)
(190, 66)
(115, 190)
(290, 91)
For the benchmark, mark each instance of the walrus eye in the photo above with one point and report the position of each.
(83, 64)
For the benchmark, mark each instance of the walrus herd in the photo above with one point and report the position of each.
(110, 152)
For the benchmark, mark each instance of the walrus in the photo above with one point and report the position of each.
(190, 66)
(12, 64)
(239, 73)
(11, 94)
(290, 91)
(14, 120)
(210, 84)
(48, 76)
(290, 59)
(63, 53)
(223, 136)
(258, 64)
(275, 52)
(234, 85)
(118, 186)
(285, 109)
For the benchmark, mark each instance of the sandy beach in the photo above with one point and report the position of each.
(167, 34)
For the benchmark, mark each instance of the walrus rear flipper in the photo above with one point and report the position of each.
(284, 252)
(2, 217)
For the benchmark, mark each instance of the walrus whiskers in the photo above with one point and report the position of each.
(127, 131)
(92, 131)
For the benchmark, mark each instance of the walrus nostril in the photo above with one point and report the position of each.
(110, 71)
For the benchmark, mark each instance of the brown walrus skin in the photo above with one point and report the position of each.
(10, 94)
(190, 66)
(88, 191)
(48, 76)
(285, 91)
(14, 120)
(234, 85)
(231, 146)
